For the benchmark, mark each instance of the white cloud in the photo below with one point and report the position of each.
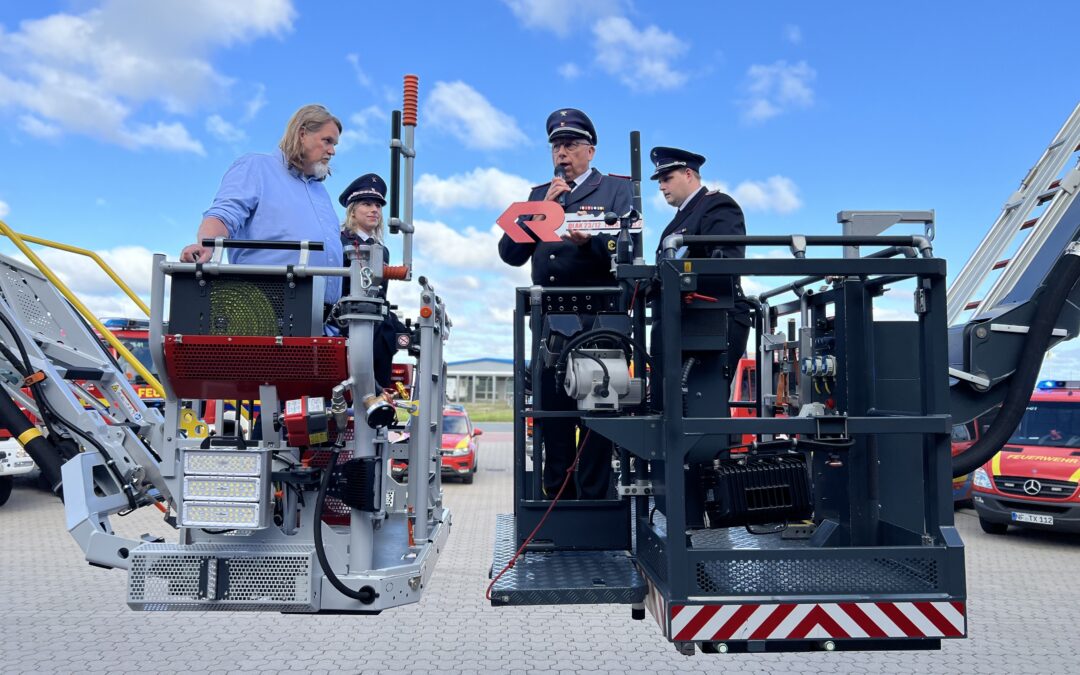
(640, 59)
(1061, 362)
(476, 286)
(777, 88)
(555, 16)
(479, 188)
(37, 128)
(255, 103)
(470, 250)
(100, 201)
(775, 194)
(357, 132)
(4, 209)
(172, 136)
(462, 111)
(502, 315)
(224, 131)
(361, 76)
(90, 73)
(793, 34)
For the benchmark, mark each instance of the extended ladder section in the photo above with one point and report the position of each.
(1032, 214)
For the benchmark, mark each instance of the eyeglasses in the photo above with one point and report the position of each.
(568, 145)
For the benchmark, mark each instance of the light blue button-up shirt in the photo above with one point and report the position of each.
(262, 197)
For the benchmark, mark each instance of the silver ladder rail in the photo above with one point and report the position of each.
(1038, 187)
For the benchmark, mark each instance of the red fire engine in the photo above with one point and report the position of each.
(1033, 481)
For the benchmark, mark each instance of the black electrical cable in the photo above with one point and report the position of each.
(607, 376)
(15, 362)
(582, 338)
(366, 594)
(687, 367)
(28, 368)
(48, 412)
(1066, 272)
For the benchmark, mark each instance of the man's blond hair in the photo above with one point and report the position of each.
(310, 118)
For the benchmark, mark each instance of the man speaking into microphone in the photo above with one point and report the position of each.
(578, 259)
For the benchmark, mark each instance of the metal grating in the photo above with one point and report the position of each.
(201, 366)
(214, 577)
(799, 576)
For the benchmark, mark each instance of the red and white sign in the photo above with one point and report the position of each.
(528, 222)
(801, 621)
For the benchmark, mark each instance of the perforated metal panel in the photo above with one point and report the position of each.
(209, 367)
(215, 577)
(798, 576)
(22, 298)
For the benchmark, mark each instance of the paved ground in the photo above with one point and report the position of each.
(60, 615)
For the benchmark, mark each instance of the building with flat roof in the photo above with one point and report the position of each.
(480, 380)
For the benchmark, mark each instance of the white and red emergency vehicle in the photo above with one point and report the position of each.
(1033, 481)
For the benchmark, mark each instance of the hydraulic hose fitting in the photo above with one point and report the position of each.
(378, 411)
(339, 409)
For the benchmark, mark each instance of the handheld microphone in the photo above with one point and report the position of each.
(560, 172)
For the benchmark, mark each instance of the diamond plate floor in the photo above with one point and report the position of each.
(562, 577)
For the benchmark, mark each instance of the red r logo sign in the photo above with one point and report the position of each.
(544, 229)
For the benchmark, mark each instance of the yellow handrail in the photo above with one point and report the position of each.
(20, 241)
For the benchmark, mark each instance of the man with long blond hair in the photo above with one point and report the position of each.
(280, 196)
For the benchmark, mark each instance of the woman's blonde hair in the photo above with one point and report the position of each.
(310, 118)
(351, 225)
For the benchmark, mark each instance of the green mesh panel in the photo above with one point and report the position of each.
(246, 307)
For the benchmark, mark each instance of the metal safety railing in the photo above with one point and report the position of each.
(20, 241)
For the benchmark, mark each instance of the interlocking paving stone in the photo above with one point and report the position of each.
(63, 616)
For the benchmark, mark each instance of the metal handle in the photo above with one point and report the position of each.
(266, 244)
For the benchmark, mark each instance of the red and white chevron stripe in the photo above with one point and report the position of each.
(691, 623)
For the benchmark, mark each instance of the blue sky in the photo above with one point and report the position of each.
(119, 117)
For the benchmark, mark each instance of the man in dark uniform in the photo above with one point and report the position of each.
(578, 260)
(704, 212)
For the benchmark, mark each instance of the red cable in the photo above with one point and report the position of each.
(528, 539)
(634, 296)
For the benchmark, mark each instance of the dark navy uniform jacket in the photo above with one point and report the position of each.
(710, 213)
(565, 263)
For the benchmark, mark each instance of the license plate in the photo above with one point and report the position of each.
(1038, 519)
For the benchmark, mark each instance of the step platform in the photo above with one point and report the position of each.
(562, 577)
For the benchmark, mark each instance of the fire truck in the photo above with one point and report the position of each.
(1033, 482)
(134, 334)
